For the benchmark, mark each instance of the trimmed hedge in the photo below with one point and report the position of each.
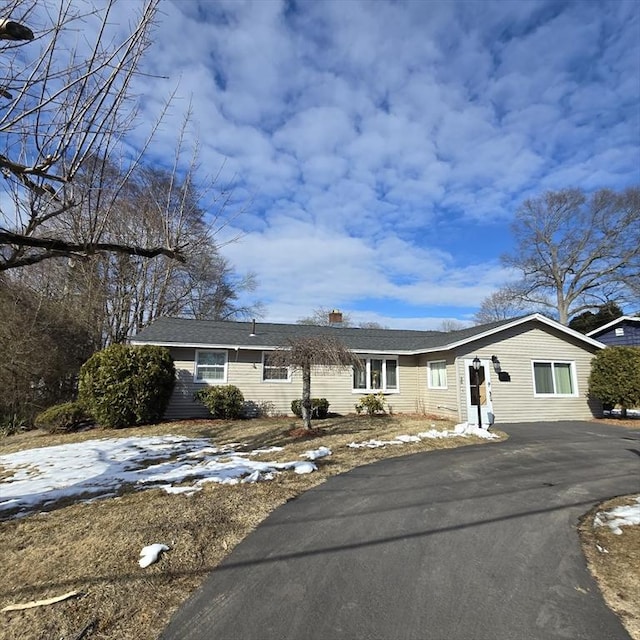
(319, 407)
(62, 418)
(224, 402)
(124, 386)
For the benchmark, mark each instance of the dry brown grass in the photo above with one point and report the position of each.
(93, 547)
(632, 422)
(617, 570)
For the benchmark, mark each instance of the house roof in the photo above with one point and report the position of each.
(186, 332)
(614, 323)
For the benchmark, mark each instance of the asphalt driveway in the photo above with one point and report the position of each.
(477, 543)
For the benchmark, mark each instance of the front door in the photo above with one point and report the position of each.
(478, 392)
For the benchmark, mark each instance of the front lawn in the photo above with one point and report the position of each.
(93, 547)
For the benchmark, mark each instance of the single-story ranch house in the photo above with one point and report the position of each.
(530, 368)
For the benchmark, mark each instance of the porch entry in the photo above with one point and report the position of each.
(478, 390)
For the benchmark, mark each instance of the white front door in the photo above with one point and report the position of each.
(478, 392)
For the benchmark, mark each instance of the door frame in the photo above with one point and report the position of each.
(486, 408)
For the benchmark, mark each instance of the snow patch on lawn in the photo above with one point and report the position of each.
(84, 471)
(625, 516)
(98, 468)
(463, 429)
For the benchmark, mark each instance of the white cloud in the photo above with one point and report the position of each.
(373, 136)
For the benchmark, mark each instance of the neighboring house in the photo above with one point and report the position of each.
(531, 368)
(621, 332)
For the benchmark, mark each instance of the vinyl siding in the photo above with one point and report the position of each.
(244, 370)
(513, 401)
(629, 338)
(516, 349)
(440, 402)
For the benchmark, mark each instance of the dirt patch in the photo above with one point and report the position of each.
(94, 547)
(614, 561)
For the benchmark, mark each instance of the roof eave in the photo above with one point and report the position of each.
(259, 347)
(604, 327)
(515, 323)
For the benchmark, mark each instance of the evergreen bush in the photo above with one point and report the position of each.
(224, 402)
(62, 418)
(124, 385)
(319, 407)
(615, 377)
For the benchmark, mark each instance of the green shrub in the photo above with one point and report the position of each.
(123, 385)
(11, 422)
(224, 402)
(615, 377)
(319, 407)
(62, 418)
(371, 404)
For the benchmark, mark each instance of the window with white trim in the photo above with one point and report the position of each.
(376, 374)
(274, 372)
(554, 378)
(437, 374)
(211, 366)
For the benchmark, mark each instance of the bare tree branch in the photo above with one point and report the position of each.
(69, 103)
(60, 247)
(575, 252)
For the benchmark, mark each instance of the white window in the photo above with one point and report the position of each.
(211, 366)
(274, 372)
(554, 379)
(376, 374)
(437, 374)
(619, 331)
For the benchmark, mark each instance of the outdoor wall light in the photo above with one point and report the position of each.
(476, 363)
(496, 364)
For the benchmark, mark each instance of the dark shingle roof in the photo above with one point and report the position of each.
(185, 331)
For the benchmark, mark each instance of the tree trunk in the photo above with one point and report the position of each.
(306, 396)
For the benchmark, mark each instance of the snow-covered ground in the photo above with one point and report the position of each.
(39, 478)
(624, 516)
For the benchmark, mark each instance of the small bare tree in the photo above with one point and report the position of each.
(66, 97)
(500, 305)
(305, 353)
(449, 325)
(320, 318)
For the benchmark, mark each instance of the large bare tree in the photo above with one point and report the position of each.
(576, 251)
(67, 103)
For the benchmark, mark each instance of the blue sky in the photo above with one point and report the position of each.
(380, 148)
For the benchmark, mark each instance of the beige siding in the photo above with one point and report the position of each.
(513, 401)
(516, 349)
(442, 402)
(245, 371)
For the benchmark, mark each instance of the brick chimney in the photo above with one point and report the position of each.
(335, 317)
